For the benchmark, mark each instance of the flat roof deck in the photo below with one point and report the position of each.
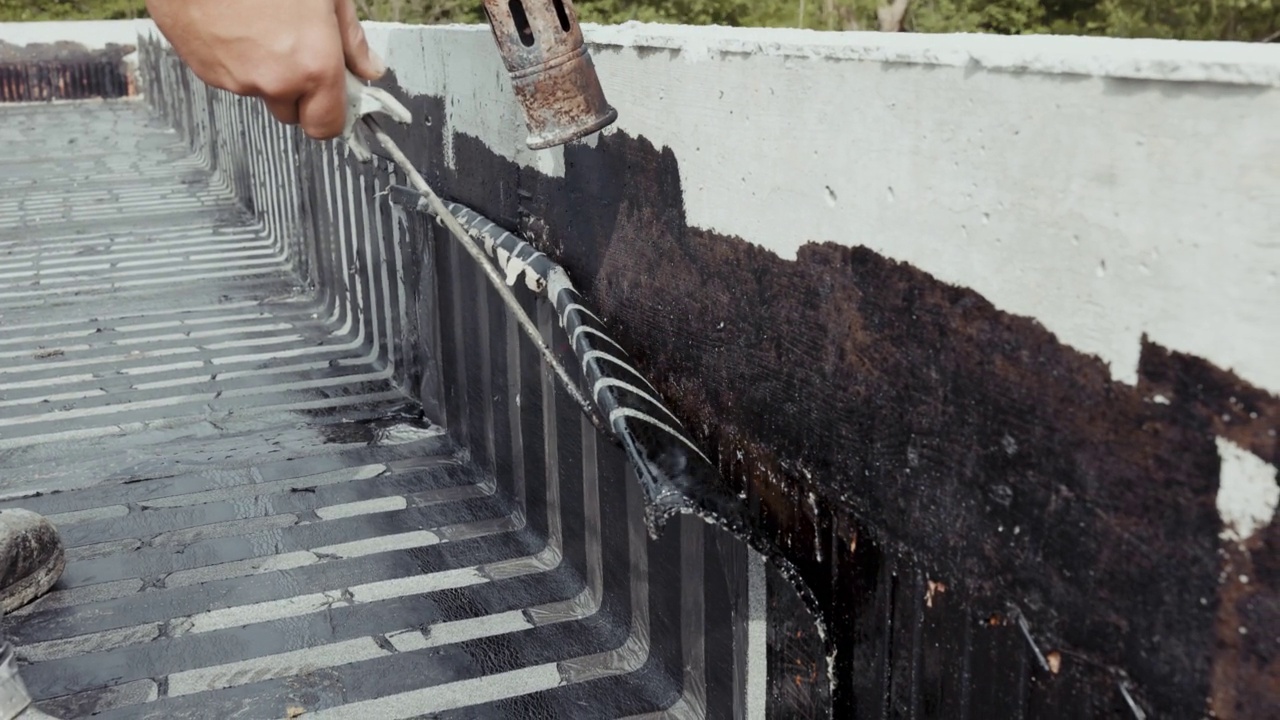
(256, 519)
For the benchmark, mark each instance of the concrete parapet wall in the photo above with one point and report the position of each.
(1107, 188)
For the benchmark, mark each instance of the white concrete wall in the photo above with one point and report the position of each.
(1107, 188)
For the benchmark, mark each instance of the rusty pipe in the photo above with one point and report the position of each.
(551, 71)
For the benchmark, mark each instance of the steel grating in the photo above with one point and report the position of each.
(215, 346)
(62, 71)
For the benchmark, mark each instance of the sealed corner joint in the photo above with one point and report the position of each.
(554, 78)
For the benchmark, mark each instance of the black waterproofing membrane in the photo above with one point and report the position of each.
(675, 475)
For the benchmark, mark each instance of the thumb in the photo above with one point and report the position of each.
(360, 59)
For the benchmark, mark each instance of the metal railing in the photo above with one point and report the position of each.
(98, 75)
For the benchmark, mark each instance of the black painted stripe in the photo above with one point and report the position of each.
(170, 655)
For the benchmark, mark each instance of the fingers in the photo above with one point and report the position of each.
(312, 95)
(322, 112)
(322, 108)
(294, 54)
(284, 110)
(355, 46)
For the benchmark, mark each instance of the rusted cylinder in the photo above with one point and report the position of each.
(554, 78)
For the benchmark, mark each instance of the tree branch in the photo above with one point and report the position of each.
(893, 16)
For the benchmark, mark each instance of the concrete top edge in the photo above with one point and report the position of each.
(1141, 59)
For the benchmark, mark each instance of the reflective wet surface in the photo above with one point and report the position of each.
(201, 386)
(228, 464)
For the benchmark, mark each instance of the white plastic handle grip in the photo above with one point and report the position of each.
(364, 100)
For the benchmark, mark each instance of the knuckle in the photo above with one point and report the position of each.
(237, 87)
(304, 77)
(275, 86)
(230, 83)
(317, 73)
(356, 38)
(322, 128)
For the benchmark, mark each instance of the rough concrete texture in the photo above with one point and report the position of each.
(1142, 59)
(1107, 189)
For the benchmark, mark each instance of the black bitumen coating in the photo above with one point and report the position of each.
(964, 496)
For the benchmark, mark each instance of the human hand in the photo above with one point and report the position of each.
(291, 53)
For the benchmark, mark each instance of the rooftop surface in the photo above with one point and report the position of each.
(255, 525)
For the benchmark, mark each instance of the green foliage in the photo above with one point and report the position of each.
(692, 12)
(429, 12)
(1243, 20)
(11, 10)
(1247, 20)
(1006, 17)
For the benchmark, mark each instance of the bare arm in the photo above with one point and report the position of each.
(291, 53)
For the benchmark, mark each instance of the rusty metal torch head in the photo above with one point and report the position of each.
(554, 78)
